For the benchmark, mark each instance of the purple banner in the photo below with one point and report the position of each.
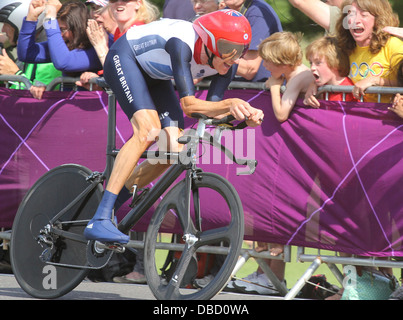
(327, 178)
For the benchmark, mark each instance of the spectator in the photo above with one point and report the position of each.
(120, 16)
(264, 22)
(131, 13)
(100, 31)
(282, 55)
(205, 6)
(329, 66)
(95, 6)
(324, 13)
(67, 45)
(397, 105)
(373, 53)
(105, 18)
(178, 9)
(40, 75)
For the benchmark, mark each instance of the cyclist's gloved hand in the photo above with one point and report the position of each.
(242, 110)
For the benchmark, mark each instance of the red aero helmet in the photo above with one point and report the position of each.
(224, 31)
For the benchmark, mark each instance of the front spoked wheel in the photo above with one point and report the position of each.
(42, 261)
(216, 225)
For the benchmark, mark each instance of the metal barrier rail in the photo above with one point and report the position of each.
(371, 90)
(202, 85)
(21, 80)
(315, 259)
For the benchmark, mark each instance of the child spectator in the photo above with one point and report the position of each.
(282, 56)
(329, 66)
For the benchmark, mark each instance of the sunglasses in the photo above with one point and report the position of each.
(231, 49)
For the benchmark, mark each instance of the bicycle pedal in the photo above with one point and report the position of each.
(116, 247)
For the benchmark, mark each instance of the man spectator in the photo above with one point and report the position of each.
(178, 9)
(264, 22)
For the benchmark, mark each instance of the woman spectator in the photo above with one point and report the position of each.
(373, 53)
(124, 14)
(67, 45)
(40, 75)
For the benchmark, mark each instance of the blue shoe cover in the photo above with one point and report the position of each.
(105, 231)
(101, 226)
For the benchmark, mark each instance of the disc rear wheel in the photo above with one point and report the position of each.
(32, 259)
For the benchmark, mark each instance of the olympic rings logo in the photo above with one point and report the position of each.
(364, 69)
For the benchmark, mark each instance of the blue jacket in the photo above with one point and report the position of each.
(54, 50)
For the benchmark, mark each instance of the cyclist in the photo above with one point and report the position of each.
(139, 68)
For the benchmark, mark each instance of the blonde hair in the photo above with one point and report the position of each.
(384, 16)
(148, 12)
(335, 57)
(282, 48)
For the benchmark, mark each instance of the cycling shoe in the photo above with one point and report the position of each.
(105, 231)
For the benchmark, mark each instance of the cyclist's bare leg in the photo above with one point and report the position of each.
(149, 170)
(146, 126)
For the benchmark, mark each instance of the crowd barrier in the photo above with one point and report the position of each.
(328, 178)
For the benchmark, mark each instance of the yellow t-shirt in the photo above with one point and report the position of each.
(383, 64)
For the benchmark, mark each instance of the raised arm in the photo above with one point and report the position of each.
(283, 104)
(28, 50)
(316, 10)
(75, 60)
(66, 60)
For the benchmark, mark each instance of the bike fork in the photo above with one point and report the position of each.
(191, 192)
